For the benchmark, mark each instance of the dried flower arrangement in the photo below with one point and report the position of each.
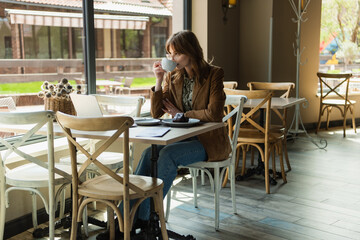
(57, 96)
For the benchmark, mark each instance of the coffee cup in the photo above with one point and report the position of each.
(167, 64)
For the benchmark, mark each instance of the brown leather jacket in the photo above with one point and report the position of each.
(207, 105)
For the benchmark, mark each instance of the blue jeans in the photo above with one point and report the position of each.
(170, 157)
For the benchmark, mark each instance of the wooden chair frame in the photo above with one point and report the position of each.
(259, 134)
(114, 187)
(327, 100)
(285, 89)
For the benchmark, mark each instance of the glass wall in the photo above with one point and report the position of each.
(122, 52)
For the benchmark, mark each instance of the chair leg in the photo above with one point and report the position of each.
(232, 188)
(168, 203)
(217, 197)
(353, 118)
(159, 208)
(34, 209)
(319, 120)
(280, 153)
(272, 149)
(110, 217)
(62, 204)
(243, 160)
(85, 221)
(266, 164)
(252, 156)
(74, 223)
(194, 174)
(202, 177)
(344, 122)
(328, 117)
(284, 143)
(2, 209)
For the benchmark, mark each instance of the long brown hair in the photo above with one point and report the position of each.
(185, 42)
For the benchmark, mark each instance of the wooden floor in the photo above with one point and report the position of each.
(320, 201)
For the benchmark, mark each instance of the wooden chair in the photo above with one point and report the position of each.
(230, 84)
(34, 174)
(219, 167)
(259, 134)
(334, 92)
(110, 188)
(283, 90)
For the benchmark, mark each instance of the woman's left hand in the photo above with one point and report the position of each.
(170, 108)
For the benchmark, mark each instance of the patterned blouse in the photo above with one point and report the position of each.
(188, 87)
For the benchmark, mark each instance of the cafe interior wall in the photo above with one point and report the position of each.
(248, 30)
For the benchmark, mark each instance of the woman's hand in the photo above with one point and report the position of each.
(170, 108)
(159, 75)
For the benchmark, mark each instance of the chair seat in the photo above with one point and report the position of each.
(334, 102)
(31, 175)
(105, 187)
(254, 136)
(217, 164)
(111, 159)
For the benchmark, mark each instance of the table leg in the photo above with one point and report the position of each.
(153, 231)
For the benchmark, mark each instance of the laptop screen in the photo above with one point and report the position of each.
(86, 105)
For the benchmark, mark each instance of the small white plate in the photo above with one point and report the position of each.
(190, 123)
(147, 122)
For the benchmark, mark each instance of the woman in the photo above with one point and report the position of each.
(195, 89)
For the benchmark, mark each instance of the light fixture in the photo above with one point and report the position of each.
(226, 4)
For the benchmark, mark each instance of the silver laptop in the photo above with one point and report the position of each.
(86, 105)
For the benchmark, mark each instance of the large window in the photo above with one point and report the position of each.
(339, 41)
(46, 43)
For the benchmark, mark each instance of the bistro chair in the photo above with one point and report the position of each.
(334, 93)
(230, 84)
(21, 170)
(258, 135)
(109, 188)
(218, 167)
(283, 90)
(110, 105)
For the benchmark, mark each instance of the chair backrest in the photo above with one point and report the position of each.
(14, 146)
(284, 88)
(116, 125)
(248, 117)
(123, 105)
(235, 105)
(8, 102)
(230, 84)
(334, 85)
(128, 81)
(281, 88)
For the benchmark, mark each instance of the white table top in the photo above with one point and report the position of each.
(174, 135)
(276, 102)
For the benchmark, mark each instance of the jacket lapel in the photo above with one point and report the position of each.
(177, 90)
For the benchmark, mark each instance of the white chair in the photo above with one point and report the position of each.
(219, 167)
(8, 102)
(112, 105)
(35, 173)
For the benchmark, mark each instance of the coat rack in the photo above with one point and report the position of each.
(300, 11)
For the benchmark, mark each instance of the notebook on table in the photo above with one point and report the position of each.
(86, 105)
